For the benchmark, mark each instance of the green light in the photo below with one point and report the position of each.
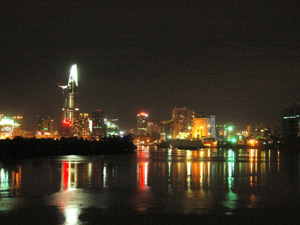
(233, 140)
(230, 128)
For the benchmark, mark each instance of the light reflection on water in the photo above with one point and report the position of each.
(169, 180)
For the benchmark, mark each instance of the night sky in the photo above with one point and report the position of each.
(238, 60)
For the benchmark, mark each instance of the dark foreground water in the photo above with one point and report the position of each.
(153, 186)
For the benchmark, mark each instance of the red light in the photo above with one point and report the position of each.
(67, 123)
(66, 174)
(142, 114)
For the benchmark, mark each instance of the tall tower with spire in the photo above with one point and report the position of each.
(70, 97)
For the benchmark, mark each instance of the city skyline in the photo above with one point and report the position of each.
(237, 61)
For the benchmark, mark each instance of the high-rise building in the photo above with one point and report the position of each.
(142, 119)
(291, 125)
(204, 127)
(255, 130)
(112, 127)
(47, 125)
(45, 128)
(81, 125)
(70, 97)
(166, 130)
(182, 120)
(98, 124)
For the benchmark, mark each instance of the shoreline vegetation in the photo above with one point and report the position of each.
(25, 148)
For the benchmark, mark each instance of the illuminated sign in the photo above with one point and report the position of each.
(67, 123)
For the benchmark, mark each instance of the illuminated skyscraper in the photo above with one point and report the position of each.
(182, 120)
(142, 118)
(70, 106)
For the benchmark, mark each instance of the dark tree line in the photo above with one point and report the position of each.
(21, 148)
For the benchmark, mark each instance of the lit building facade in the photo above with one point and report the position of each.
(9, 128)
(112, 127)
(98, 124)
(204, 127)
(81, 125)
(70, 97)
(142, 119)
(182, 120)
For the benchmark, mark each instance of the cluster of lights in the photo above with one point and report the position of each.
(252, 142)
(6, 121)
(291, 117)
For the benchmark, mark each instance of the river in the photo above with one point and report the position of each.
(59, 190)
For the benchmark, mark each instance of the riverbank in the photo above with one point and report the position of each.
(24, 148)
(193, 145)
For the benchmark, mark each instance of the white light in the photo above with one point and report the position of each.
(6, 121)
(71, 214)
(73, 75)
(91, 125)
(104, 176)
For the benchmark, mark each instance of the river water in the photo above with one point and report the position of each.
(199, 181)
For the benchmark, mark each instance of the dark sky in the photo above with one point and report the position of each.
(238, 60)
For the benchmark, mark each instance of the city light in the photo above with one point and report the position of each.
(252, 142)
(6, 121)
(142, 114)
(233, 140)
(67, 123)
